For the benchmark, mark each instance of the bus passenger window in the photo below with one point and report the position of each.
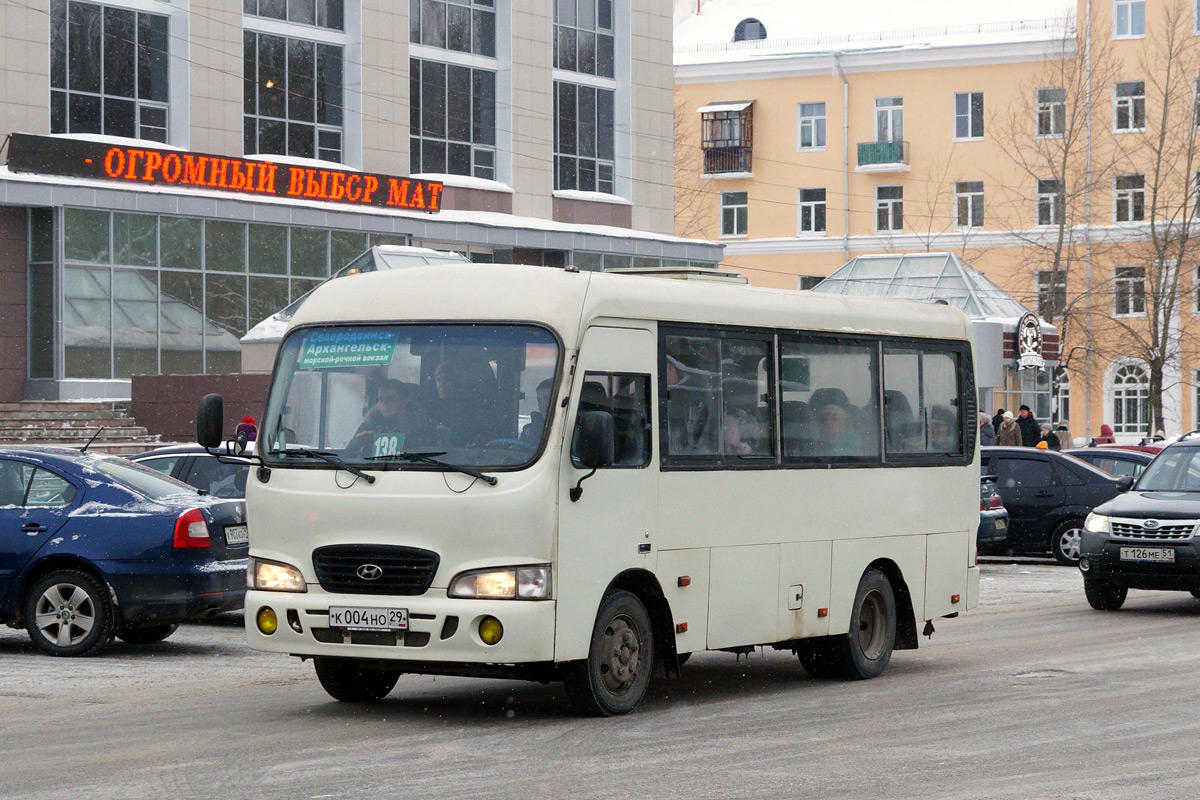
(627, 398)
(921, 402)
(829, 407)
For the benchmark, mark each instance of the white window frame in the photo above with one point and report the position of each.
(741, 214)
(1052, 200)
(1130, 283)
(811, 206)
(1132, 104)
(1126, 197)
(894, 207)
(1128, 6)
(1055, 111)
(891, 113)
(968, 200)
(972, 135)
(1139, 392)
(814, 125)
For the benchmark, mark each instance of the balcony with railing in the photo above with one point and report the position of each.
(727, 131)
(882, 157)
(727, 161)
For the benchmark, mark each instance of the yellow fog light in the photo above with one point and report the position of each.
(490, 630)
(267, 621)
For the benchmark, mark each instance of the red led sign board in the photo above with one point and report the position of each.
(147, 166)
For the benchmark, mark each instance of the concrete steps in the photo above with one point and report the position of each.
(72, 424)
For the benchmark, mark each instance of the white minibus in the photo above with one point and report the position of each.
(522, 472)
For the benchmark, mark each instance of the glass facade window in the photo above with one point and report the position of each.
(41, 293)
(583, 36)
(108, 71)
(144, 294)
(292, 97)
(452, 118)
(464, 26)
(321, 13)
(584, 148)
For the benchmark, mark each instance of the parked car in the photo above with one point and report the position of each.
(221, 477)
(993, 516)
(1113, 460)
(1146, 538)
(93, 546)
(1048, 496)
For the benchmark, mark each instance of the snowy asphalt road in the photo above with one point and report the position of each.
(1033, 695)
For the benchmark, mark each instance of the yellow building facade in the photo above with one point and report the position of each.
(1039, 150)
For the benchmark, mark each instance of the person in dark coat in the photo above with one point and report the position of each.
(987, 434)
(1031, 433)
(1050, 438)
(998, 419)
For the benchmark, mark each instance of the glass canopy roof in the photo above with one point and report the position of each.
(924, 276)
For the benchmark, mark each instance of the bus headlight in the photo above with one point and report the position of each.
(516, 583)
(1098, 523)
(271, 576)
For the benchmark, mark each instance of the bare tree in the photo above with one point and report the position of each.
(693, 203)
(1161, 162)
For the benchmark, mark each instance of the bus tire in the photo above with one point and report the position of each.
(346, 680)
(865, 650)
(614, 677)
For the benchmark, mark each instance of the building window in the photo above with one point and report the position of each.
(1051, 111)
(806, 282)
(1129, 18)
(464, 26)
(889, 208)
(452, 112)
(108, 71)
(583, 36)
(293, 97)
(1051, 293)
(1129, 291)
(1129, 194)
(889, 119)
(726, 137)
(583, 138)
(968, 115)
(321, 13)
(735, 210)
(1061, 413)
(749, 30)
(1049, 201)
(968, 204)
(1129, 106)
(812, 211)
(811, 126)
(1131, 400)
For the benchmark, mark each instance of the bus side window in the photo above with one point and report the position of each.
(627, 398)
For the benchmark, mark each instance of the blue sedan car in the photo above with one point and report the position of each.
(93, 546)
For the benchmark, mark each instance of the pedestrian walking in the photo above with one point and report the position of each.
(1009, 433)
(1031, 434)
(998, 418)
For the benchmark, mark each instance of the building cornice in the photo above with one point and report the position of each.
(906, 57)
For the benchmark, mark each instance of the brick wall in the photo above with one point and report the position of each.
(13, 298)
(166, 404)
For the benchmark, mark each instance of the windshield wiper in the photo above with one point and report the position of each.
(428, 458)
(326, 456)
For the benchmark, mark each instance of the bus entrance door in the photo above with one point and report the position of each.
(610, 528)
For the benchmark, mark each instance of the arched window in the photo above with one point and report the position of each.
(1131, 400)
(749, 29)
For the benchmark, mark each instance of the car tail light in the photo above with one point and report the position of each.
(191, 531)
(995, 501)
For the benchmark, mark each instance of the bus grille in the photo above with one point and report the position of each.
(347, 569)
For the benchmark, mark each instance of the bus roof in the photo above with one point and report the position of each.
(568, 301)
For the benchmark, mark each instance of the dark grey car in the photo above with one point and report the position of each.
(1048, 496)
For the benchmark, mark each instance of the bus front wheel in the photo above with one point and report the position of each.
(613, 679)
(345, 679)
(865, 650)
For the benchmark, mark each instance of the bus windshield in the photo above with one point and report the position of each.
(376, 395)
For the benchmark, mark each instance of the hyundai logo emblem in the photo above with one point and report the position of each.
(370, 572)
(1151, 524)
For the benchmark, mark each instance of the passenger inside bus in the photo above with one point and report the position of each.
(394, 423)
(466, 410)
(531, 434)
(943, 430)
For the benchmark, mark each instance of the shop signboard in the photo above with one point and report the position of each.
(1029, 342)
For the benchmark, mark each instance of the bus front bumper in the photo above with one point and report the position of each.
(440, 629)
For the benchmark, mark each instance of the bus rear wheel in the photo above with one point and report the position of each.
(865, 650)
(614, 677)
(347, 680)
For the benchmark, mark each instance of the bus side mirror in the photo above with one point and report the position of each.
(210, 420)
(594, 440)
(1125, 483)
